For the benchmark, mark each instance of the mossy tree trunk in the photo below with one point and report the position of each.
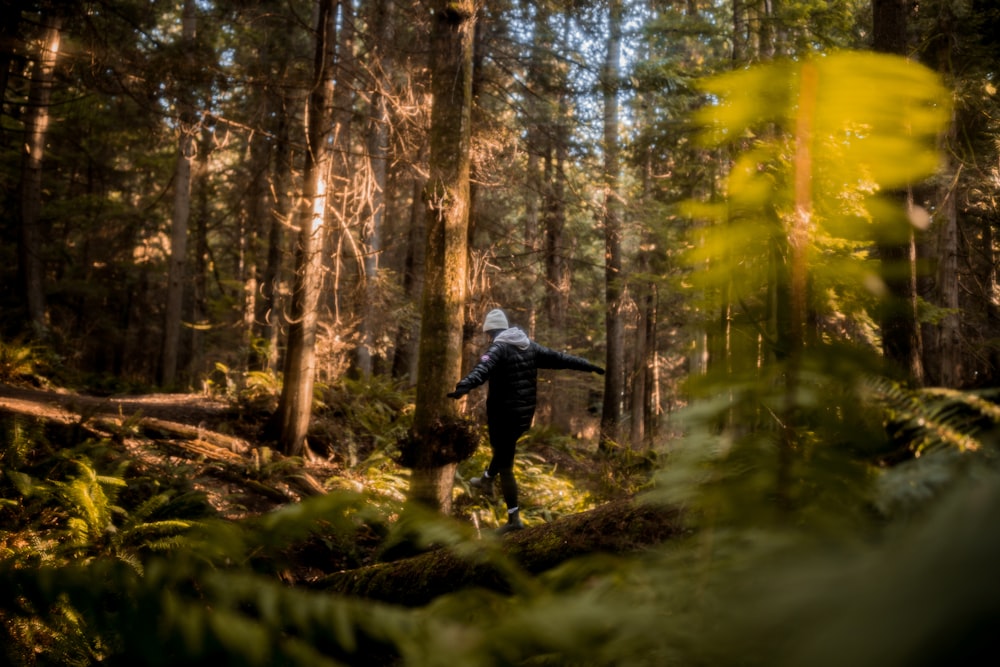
(447, 198)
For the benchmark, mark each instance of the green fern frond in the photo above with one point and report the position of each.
(146, 509)
(167, 544)
(985, 403)
(24, 483)
(144, 535)
(18, 436)
(110, 481)
(935, 417)
(132, 560)
(17, 360)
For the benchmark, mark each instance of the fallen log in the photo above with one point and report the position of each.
(111, 417)
(620, 527)
(159, 428)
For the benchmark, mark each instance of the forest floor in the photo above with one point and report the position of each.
(212, 444)
(159, 431)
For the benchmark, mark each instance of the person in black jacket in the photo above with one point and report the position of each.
(510, 364)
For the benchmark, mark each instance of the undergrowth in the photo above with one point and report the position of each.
(102, 563)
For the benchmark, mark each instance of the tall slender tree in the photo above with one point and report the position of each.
(35, 128)
(373, 218)
(897, 245)
(295, 405)
(949, 371)
(182, 202)
(614, 379)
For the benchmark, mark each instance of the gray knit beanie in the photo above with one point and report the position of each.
(495, 319)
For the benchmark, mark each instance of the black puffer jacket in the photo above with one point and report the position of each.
(511, 364)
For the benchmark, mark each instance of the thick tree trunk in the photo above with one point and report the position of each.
(620, 527)
(295, 405)
(614, 379)
(176, 275)
(36, 124)
(447, 198)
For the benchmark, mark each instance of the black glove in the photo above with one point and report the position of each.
(598, 370)
(456, 394)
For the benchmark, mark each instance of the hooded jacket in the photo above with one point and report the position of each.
(511, 364)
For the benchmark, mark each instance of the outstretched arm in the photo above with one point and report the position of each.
(479, 374)
(552, 359)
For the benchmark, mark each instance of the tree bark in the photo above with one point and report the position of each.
(341, 178)
(268, 207)
(950, 340)
(378, 148)
(176, 273)
(36, 124)
(295, 405)
(447, 198)
(620, 527)
(614, 280)
(404, 363)
(898, 317)
(951, 372)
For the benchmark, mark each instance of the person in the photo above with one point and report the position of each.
(510, 364)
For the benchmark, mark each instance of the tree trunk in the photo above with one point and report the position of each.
(447, 197)
(404, 363)
(205, 267)
(182, 208)
(613, 210)
(645, 405)
(898, 317)
(951, 372)
(36, 124)
(295, 405)
(341, 179)
(378, 148)
(949, 341)
(271, 299)
(258, 284)
(616, 528)
(536, 147)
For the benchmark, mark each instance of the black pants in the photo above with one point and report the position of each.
(503, 441)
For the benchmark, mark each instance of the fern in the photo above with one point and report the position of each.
(17, 360)
(933, 418)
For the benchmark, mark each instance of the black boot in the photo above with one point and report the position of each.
(484, 485)
(513, 522)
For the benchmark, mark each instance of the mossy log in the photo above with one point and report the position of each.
(620, 527)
